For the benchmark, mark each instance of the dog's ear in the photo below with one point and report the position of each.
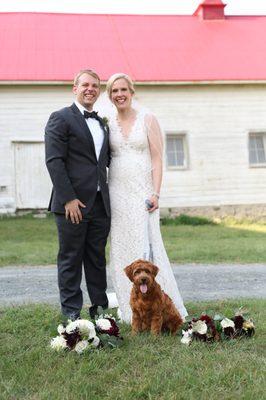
(155, 270)
(129, 271)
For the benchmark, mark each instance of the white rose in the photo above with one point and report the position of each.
(103, 324)
(187, 337)
(200, 327)
(58, 343)
(84, 326)
(71, 326)
(81, 346)
(61, 329)
(227, 323)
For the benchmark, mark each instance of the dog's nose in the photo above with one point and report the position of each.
(143, 280)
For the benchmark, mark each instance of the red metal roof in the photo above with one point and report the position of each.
(52, 47)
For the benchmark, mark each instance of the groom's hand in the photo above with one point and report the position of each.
(73, 211)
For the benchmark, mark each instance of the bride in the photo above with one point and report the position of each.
(135, 175)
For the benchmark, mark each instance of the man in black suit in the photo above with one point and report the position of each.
(77, 155)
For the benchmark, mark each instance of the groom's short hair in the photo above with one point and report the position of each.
(86, 71)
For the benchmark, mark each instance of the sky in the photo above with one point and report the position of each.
(234, 7)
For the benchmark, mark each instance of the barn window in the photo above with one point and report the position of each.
(257, 144)
(176, 151)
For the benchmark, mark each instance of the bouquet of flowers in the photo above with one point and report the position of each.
(208, 329)
(83, 335)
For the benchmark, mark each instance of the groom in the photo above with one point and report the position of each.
(77, 154)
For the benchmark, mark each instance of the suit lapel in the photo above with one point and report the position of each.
(85, 129)
(105, 140)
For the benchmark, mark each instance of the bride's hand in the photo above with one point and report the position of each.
(155, 203)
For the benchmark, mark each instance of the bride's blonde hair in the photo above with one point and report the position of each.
(114, 78)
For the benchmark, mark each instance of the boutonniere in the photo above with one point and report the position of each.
(105, 122)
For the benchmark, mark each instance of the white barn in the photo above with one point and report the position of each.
(204, 76)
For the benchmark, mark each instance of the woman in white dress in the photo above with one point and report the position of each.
(135, 175)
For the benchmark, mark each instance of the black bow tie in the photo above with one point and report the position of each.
(92, 114)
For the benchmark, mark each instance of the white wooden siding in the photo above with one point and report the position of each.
(217, 120)
(32, 183)
(24, 112)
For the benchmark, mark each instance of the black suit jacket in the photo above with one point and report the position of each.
(71, 160)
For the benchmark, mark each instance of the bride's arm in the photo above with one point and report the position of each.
(155, 139)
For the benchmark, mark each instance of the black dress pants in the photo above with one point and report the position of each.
(82, 244)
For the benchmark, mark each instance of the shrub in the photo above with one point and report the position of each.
(183, 219)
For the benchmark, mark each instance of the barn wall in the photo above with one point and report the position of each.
(215, 118)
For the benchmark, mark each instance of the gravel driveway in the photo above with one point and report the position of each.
(21, 285)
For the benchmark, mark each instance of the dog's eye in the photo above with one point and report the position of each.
(139, 271)
(136, 272)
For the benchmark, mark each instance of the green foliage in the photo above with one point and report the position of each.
(111, 341)
(144, 368)
(183, 219)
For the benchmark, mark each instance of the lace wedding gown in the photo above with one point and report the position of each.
(130, 184)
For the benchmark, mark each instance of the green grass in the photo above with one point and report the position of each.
(144, 368)
(221, 243)
(27, 240)
(31, 241)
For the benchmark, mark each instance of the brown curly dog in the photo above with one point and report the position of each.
(152, 309)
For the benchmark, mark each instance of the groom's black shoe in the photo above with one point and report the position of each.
(93, 310)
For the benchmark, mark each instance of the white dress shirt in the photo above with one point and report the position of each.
(95, 129)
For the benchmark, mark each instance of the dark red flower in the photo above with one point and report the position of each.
(238, 320)
(72, 338)
(206, 318)
(211, 326)
(229, 332)
(112, 331)
(199, 336)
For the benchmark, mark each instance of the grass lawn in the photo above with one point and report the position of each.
(31, 241)
(144, 368)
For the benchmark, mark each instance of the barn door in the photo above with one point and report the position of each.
(33, 186)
